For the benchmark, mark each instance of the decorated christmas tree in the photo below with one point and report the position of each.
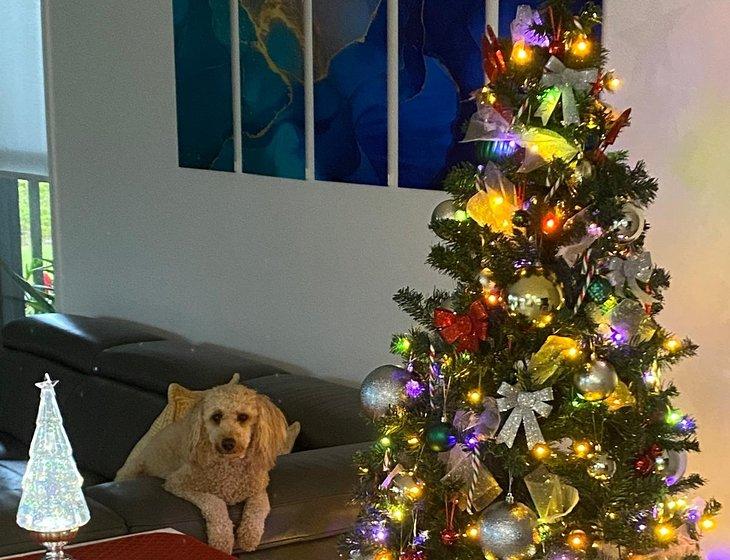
(531, 416)
(52, 500)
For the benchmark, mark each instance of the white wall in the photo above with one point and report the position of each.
(303, 272)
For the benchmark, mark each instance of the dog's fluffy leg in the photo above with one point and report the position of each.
(251, 528)
(214, 510)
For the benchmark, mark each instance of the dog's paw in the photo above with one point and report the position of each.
(221, 537)
(248, 540)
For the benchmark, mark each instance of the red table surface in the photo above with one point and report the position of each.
(155, 546)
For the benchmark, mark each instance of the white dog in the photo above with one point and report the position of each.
(220, 453)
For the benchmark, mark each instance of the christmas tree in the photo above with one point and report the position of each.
(52, 500)
(530, 417)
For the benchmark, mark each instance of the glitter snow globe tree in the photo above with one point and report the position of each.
(52, 506)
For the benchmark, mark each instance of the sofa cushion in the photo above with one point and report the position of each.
(153, 365)
(73, 340)
(329, 413)
(14, 540)
(309, 492)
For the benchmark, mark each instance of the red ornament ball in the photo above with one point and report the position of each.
(556, 48)
(412, 554)
(655, 450)
(644, 465)
(449, 537)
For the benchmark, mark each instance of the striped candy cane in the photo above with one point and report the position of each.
(588, 270)
(475, 465)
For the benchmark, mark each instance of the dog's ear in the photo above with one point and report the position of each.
(196, 428)
(269, 434)
(235, 379)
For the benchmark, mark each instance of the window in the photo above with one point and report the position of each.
(26, 254)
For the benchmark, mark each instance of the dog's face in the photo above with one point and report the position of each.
(230, 417)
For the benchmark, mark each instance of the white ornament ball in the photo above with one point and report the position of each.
(630, 227)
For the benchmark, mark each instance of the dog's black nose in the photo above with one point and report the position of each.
(228, 444)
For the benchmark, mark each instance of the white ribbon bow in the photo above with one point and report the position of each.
(623, 272)
(565, 80)
(524, 405)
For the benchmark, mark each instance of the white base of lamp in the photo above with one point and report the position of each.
(54, 542)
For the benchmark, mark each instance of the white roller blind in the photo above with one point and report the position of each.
(23, 147)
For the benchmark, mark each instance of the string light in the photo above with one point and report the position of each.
(474, 396)
(674, 417)
(707, 523)
(582, 448)
(402, 345)
(413, 441)
(541, 451)
(472, 531)
(414, 492)
(664, 532)
(385, 441)
(493, 299)
(520, 53)
(581, 46)
(461, 216)
(612, 82)
(383, 554)
(550, 223)
(397, 513)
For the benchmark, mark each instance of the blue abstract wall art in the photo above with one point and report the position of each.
(350, 91)
(439, 67)
(203, 84)
(272, 87)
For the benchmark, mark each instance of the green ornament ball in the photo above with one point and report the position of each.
(440, 437)
(600, 290)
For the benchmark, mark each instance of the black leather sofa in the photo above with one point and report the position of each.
(113, 378)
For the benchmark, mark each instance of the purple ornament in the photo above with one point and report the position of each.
(522, 27)
(414, 389)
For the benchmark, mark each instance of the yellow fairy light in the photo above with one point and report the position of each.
(383, 554)
(385, 441)
(572, 353)
(612, 82)
(493, 299)
(414, 492)
(582, 448)
(397, 513)
(581, 46)
(472, 531)
(578, 540)
(664, 532)
(707, 523)
(413, 440)
(520, 53)
(541, 451)
(544, 320)
(474, 396)
(672, 344)
(364, 470)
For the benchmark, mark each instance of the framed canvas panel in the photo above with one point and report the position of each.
(439, 68)
(203, 84)
(350, 91)
(271, 50)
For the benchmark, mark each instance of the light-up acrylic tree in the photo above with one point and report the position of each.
(52, 505)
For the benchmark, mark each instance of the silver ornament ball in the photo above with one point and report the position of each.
(535, 295)
(602, 468)
(630, 227)
(444, 211)
(597, 380)
(508, 531)
(584, 169)
(671, 465)
(383, 388)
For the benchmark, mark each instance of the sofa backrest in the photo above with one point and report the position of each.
(113, 378)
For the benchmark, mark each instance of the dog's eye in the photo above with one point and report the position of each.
(217, 417)
(242, 417)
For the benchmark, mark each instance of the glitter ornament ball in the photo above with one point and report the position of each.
(600, 290)
(630, 227)
(563, 554)
(444, 211)
(440, 437)
(602, 468)
(412, 554)
(508, 531)
(597, 380)
(383, 388)
(449, 537)
(534, 296)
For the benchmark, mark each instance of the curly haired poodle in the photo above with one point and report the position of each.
(220, 453)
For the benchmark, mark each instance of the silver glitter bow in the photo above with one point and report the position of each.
(626, 272)
(565, 80)
(524, 405)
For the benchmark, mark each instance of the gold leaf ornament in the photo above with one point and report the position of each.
(496, 203)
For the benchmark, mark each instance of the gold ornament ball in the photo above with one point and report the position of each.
(597, 381)
(534, 296)
(602, 468)
(508, 531)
